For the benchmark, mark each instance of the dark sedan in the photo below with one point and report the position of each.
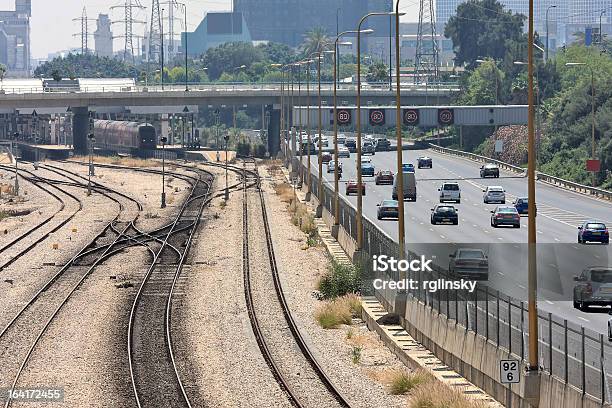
(351, 188)
(424, 162)
(351, 145)
(505, 215)
(444, 214)
(469, 262)
(382, 145)
(388, 209)
(367, 169)
(592, 231)
(384, 177)
(326, 157)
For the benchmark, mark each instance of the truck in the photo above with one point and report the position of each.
(409, 185)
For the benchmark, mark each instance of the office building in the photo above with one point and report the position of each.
(15, 39)
(288, 22)
(103, 37)
(215, 29)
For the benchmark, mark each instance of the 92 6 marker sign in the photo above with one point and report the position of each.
(509, 371)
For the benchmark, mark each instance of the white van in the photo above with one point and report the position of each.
(450, 191)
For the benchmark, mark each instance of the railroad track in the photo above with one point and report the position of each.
(318, 381)
(156, 381)
(22, 334)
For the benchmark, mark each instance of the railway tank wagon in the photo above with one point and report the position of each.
(136, 139)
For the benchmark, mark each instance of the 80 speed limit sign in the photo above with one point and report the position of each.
(509, 371)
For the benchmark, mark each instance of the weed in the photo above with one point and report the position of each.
(223, 204)
(150, 216)
(333, 314)
(356, 354)
(3, 215)
(439, 395)
(340, 280)
(350, 333)
(403, 382)
(354, 304)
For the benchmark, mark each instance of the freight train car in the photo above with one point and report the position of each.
(136, 139)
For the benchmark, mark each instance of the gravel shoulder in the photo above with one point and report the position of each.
(215, 346)
(300, 270)
(85, 348)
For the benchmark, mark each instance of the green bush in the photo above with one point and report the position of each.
(340, 280)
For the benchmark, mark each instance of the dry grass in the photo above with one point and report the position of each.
(434, 394)
(339, 311)
(121, 161)
(285, 191)
(333, 314)
(7, 189)
(401, 382)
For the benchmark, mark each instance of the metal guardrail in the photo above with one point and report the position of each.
(213, 86)
(546, 178)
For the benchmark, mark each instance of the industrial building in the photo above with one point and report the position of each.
(103, 37)
(15, 39)
(215, 29)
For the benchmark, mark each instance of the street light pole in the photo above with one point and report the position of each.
(300, 123)
(600, 33)
(398, 136)
(308, 129)
(320, 132)
(547, 35)
(161, 29)
(186, 65)
(359, 178)
(531, 233)
(163, 194)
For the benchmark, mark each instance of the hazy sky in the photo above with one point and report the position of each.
(53, 28)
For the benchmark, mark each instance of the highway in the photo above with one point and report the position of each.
(560, 257)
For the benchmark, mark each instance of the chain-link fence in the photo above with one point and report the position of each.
(577, 355)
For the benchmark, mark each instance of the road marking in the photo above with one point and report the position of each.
(556, 239)
(442, 236)
(549, 302)
(501, 273)
(540, 232)
(431, 229)
(582, 318)
(500, 238)
(473, 225)
(521, 286)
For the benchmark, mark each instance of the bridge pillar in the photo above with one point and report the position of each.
(80, 125)
(273, 130)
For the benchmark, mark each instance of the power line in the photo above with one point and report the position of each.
(155, 32)
(427, 54)
(84, 33)
(129, 7)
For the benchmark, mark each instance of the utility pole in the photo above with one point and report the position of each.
(155, 31)
(427, 59)
(129, 7)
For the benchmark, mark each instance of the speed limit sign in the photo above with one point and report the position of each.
(446, 116)
(344, 117)
(377, 117)
(509, 371)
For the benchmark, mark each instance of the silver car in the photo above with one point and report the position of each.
(593, 287)
(494, 194)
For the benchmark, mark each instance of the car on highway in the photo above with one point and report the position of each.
(331, 167)
(368, 148)
(305, 147)
(326, 157)
(610, 326)
(351, 188)
(324, 141)
(593, 287)
(366, 159)
(505, 215)
(424, 162)
(408, 185)
(382, 144)
(494, 194)
(522, 205)
(343, 152)
(387, 209)
(351, 144)
(450, 191)
(444, 214)
(367, 169)
(469, 262)
(341, 138)
(384, 177)
(489, 170)
(408, 167)
(593, 231)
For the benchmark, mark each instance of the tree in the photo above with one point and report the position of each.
(482, 28)
(277, 53)
(481, 85)
(2, 73)
(57, 77)
(228, 56)
(316, 40)
(86, 66)
(378, 72)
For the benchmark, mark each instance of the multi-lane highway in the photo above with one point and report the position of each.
(560, 257)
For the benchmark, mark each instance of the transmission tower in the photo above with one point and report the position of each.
(427, 53)
(129, 7)
(155, 32)
(84, 33)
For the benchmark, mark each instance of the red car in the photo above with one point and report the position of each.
(384, 177)
(351, 188)
(326, 157)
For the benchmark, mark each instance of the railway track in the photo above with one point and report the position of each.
(312, 386)
(21, 335)
(156, 381)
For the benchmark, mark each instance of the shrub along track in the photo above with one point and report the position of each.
(313, 387)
